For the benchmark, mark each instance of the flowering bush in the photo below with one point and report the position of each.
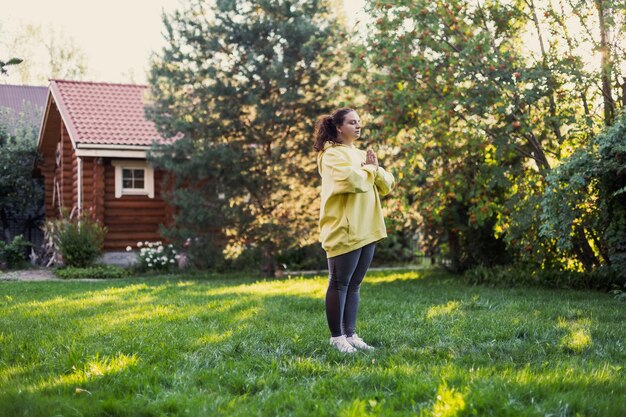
(75, 239)
(156, 255)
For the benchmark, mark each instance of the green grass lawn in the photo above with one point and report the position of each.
(242, 347)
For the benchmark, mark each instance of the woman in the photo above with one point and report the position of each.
(351, 218)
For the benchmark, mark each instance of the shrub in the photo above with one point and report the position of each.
(309, 257)
(603, 278)
(96, 271)
(249, 259)
(14, 254)
(78, 239)
(156, 256)
(203, 252)
(586, 198)
(81, 243)
(400, 247)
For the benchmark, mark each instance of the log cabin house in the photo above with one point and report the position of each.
(93, 141)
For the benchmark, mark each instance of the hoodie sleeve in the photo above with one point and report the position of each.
(384, 181)
(345, 177)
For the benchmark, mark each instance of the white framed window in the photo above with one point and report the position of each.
(133, 177)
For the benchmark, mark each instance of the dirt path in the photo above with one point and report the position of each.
(39, 274)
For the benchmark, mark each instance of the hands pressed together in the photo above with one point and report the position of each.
(370, 158)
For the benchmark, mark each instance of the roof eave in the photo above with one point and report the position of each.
(112, 153)
(99, 150)
(111, 146)
(67, 120)
(44, 119)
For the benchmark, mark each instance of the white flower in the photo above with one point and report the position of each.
(150, 265)
(139, 244)
(160, 249)
(177, 257)
(128, 248)
(172, 261)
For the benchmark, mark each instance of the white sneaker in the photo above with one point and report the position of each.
(358, 343)
(342, 344)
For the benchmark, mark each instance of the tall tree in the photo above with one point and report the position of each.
(46, 53)
(242, 82)
(483, 115)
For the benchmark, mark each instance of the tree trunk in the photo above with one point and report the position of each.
(268, 259)
(455, 252)
(584, 251)
(5, 226)
(607, 97)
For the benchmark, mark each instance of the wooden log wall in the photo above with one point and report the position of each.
(61, 175)
(68, 172)
(130, 219)
(47, 170)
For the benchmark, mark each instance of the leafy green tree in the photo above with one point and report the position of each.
(589, 188)
(482, 118)
(20, 193)
(242, 82)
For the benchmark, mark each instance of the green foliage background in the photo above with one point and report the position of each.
(491, 115)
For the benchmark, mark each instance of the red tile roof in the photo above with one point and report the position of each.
(104, 113)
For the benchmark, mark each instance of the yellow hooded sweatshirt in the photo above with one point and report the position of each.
(350, 212)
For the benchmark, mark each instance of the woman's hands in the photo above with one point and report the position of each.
(370, 158)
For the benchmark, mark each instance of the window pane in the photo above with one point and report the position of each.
(133, 178)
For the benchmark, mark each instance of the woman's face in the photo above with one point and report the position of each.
(350, 129)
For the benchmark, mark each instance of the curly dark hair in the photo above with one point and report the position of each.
(326, 127)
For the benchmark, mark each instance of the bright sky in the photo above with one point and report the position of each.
(117, 36)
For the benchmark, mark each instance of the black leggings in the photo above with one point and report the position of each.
(342, 297)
